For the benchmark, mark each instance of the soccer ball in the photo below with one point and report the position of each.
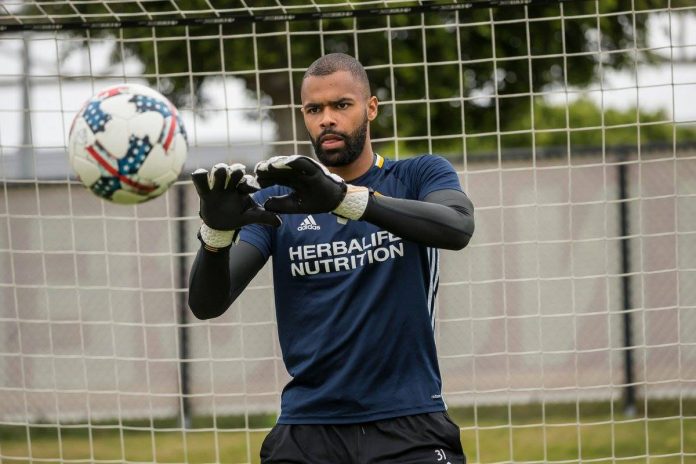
(127, 144)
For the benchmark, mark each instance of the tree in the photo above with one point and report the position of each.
(581, 124)
(562, 50)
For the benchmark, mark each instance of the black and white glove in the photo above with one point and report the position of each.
(226, 204)
(315, 189)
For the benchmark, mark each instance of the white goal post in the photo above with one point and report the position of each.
(570, 318)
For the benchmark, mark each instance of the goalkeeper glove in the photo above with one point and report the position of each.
(226, 204)
(315, 189)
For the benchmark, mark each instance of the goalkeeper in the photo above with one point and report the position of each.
(354, 241)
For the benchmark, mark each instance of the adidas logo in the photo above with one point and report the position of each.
(309, 224)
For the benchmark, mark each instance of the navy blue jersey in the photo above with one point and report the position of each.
(355, 305)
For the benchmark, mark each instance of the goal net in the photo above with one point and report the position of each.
(566, 330)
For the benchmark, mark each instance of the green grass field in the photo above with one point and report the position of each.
(664, 432)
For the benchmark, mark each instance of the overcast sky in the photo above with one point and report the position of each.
(671, 87)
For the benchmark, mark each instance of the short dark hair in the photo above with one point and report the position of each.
(333, 62)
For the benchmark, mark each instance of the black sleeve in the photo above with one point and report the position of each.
(445, 219)
(217, 279)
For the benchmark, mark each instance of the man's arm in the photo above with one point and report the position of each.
(221, 271)
(218, 278)
(445, 219)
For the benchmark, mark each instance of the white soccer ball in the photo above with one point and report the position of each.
(127, 144)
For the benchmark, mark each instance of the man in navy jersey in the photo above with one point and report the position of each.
(354, 241)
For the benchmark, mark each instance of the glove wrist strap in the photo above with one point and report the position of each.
(214, 240)
(354, 203)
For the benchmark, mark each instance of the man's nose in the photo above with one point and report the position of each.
(327, 118)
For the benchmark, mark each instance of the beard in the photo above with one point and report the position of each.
(353, 145)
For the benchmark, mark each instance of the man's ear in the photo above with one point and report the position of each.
(372, 105)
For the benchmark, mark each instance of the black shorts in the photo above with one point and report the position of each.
(419, 439)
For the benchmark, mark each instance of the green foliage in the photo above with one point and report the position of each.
(589, 125)
(580, 124)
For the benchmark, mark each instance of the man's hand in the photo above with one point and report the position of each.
(315, 189)
(226, 204)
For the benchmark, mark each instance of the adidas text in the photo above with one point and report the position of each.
(309, 224)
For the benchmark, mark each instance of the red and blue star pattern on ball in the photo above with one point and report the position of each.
(95, 117)
(144, 103)
(138, 149)
(105, 186)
